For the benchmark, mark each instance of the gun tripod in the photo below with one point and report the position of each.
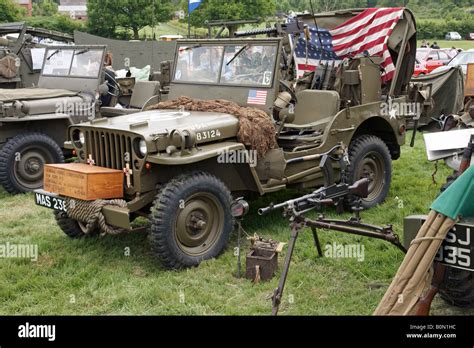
(352, 226)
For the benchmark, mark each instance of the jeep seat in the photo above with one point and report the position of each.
(143, 93)
(314, 109)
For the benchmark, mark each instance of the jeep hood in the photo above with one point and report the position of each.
(162, 122)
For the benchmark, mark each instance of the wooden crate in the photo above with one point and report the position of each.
(469, 90)
(82, 181)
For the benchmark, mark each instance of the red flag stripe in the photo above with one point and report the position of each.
(374, 47)
(306, 67)
(360, 21)
(368, 31)
(369, 35)
(382, 22)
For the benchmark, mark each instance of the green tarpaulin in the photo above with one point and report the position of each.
(448, 93)
(458, 199)
(11, 95)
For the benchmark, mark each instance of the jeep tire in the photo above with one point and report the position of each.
(457, 288)
(72, 228)
(370, 158)
(190, 220)
(22, 161)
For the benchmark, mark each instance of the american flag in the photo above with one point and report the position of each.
(368, 31)
(316, 55)
(257, 97)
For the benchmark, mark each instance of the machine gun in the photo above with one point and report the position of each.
(280, 29)
(331, 195)
(335, 194)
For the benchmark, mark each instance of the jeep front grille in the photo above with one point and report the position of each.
(109, 150)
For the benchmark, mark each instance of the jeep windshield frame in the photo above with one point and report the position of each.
(226, 63)
(73, 62)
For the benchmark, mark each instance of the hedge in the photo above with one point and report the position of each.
(437, 30)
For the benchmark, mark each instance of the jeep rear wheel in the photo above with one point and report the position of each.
(458, 288)
(22, 161)
(370, 158)
(190, 220)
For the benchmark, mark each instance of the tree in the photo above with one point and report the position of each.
(45, 8)
(101, 19)
(9, 11)
(105, 17)
(57, 22)
(231, 10)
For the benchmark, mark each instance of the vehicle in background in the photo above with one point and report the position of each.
(21, 53)
(168, 38)
(453, 35)
(432, 59)
(34, 121)
(420, 68)
(126, 54)
(470, 36)
(462, 59)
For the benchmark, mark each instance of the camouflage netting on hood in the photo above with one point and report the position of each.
(257, 129)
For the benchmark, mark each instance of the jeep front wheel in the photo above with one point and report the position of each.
(370, 158)
(190, 220)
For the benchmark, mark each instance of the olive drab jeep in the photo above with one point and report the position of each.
(174, 169)
(34, 121)
(21, 53)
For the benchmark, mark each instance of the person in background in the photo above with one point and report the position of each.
(424, 44)
(435, 46)
(111, 78)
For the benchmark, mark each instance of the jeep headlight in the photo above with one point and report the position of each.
(141, 149)
(82, 138)
(78, 138)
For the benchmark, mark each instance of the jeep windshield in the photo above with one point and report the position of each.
(83, 63)
(240, 65)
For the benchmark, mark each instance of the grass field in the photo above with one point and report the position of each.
(464, 44)
(95, 276)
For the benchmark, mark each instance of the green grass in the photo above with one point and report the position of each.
(171, 28)
(102, 280)
(464, 44)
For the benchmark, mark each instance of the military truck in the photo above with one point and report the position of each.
(175, 173)
(22, 51)
(34, 121)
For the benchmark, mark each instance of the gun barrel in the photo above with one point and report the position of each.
(266, 31)
(272, 207)
(264, 211)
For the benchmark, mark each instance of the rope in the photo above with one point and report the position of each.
(90, 213)
(423, 239)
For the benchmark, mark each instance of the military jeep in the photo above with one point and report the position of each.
(34, 121)
(22, 51)
(175, 172)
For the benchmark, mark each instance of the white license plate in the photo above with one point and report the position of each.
(458, 248)
(50, 201)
